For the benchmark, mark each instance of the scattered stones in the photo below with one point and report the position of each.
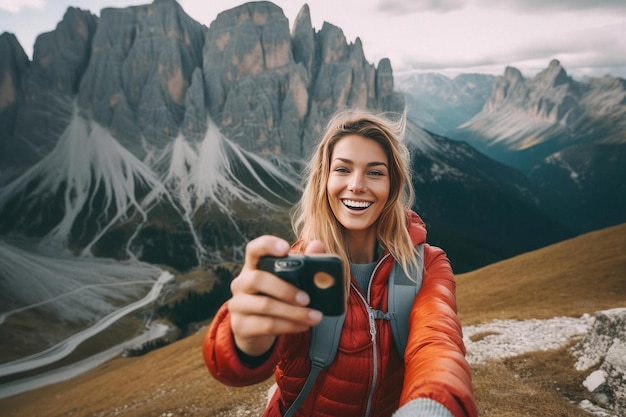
(604, 348)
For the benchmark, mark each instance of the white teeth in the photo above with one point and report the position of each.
(356, 204)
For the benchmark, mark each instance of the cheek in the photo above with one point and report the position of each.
(383, 192)
(332, 187)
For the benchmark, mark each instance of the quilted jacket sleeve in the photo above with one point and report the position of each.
(221, 356)
(435, 365)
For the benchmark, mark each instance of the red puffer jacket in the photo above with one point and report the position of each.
(366, 378)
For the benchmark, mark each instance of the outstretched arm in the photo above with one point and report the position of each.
(435, 364)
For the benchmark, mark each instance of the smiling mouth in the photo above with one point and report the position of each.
(356, 205)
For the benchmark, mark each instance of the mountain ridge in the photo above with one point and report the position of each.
(568, 137)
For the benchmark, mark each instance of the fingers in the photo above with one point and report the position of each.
(257, 282)
(315, 246)
(262, 246)
(256, 319)
(263, 305)
(258, 315)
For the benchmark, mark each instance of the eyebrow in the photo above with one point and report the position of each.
(369, 164)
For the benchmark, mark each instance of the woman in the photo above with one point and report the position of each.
(355, 204)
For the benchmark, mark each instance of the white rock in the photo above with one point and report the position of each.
(594, 380)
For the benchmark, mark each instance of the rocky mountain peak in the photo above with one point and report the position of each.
(61, 56)
(551, 97)
(140, 70)
(510, 87)
(13, 69)
(303, 39)
(553, 76)
(334, 47)
(513, 75)
(150, 72)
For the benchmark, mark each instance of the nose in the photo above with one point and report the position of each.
(356, 183)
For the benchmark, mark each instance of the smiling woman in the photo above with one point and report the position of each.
(358, 190)
(355, 205)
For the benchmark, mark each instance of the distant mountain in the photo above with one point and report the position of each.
(527, 120)
(584, 185)
(479, 210)
(568, 136)
(440, 104)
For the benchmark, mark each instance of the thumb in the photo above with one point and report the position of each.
(314, 246)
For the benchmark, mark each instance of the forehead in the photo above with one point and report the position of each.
(359, 148)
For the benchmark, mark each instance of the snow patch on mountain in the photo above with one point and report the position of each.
(557, 160)
(72, 289)
(86, 159)
(220, 168)
(102, 184)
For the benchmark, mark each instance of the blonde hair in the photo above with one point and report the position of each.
(312, 217)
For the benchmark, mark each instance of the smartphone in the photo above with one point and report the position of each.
(320, 276)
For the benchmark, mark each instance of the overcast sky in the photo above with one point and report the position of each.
(445, 36)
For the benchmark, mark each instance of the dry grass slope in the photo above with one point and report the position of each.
(570, 278)
(581, 275)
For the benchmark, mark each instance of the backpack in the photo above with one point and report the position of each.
(325, 336)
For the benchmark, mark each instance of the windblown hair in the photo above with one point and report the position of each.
(313, 217)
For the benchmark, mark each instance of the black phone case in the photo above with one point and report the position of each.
(301, 270)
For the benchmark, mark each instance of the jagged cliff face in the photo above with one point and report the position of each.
(40, 90)
(147, 126)
(149, 72)
(143, 133)
(275, 90)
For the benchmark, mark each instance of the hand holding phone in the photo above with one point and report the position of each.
(320, 276)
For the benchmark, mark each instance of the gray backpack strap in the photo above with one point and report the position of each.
(402, 292)
(324, 343)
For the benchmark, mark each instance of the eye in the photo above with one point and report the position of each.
(341, 170)
(376, 173)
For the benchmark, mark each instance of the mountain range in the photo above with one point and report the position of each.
(567, 137)
(143, 126)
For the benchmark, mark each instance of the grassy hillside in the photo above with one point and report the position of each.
(570, 278)
(581, 275)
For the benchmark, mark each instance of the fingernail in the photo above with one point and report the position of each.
(315, 315)
(302, 298)
(281, 246)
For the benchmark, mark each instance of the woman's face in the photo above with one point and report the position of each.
(358, 182)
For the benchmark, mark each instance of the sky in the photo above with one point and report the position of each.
(449, 37)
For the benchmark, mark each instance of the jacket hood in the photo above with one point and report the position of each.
(417, 227)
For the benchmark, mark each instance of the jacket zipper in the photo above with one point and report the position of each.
(372, 322)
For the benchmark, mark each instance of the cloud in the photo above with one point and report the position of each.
(402, 7)
(543, 6)
(16, 6)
